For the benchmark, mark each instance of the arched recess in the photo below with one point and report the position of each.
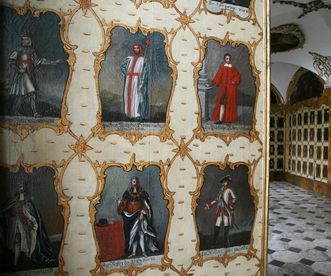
(275, 96)
(303, 86)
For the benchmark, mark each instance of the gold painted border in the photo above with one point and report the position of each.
(66, 215)
(226, 258)
(23, 130)
(252, 135)
(132, 136)
(168, 195)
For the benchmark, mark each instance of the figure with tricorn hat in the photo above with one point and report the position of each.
(224, 215)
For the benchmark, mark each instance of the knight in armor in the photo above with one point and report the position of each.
(23, 63)
(136, 212)
(224, 215)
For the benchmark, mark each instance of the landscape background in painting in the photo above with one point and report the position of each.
(112, 81)
(244, 208)
(45, 34)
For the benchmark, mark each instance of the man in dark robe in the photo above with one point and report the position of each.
(25, 231)
(136, 212)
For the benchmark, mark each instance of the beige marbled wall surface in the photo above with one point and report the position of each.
(80, 148)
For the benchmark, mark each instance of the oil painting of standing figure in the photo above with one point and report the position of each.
(24, 87)
(131, 218)
(224, 215)
(227, 88)
(225, 212)
(137, 215)
(31, 224)
(227, 77)
(33, 67)
(26, 231)
(136, 80)
(135, 70)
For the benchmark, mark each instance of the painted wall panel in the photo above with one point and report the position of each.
(159, 146)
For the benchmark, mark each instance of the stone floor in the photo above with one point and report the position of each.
(299, 232)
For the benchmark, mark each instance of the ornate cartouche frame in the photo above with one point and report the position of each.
(63, 125)
(168, 195)
(133, 136)
(226, 258)
(200, 133)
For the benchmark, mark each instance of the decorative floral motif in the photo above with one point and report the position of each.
(85, 5)
(183, 149)
(185, 20)
(80, 147)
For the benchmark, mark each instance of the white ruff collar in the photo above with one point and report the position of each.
(227, 65)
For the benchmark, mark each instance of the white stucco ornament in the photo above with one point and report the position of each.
(322, 65)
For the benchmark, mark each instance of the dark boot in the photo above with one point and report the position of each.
(216, 232)
(226, 236)
(32, 100)
(17, 104)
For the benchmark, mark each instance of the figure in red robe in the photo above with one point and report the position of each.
(227, 77)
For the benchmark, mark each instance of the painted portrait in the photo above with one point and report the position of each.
(31, 224)
(226, 88)
(33, 67)
(225, 212)
(131, 218)
(239, 7)
(135, 80)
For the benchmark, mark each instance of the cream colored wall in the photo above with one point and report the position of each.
(80, 150)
